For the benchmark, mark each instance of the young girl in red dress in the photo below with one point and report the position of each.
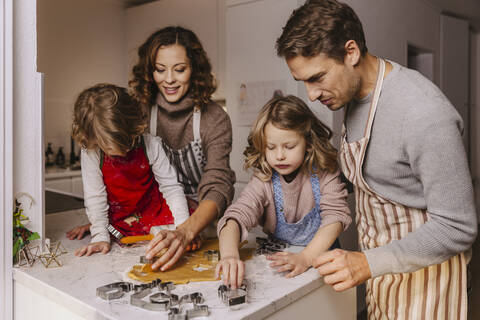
(128, 180)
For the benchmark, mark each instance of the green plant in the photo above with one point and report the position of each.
(21, 235)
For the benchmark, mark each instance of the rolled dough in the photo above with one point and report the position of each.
(192, 267)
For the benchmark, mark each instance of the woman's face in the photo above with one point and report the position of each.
(172, 72)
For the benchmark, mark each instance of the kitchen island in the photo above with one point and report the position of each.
(69, 291)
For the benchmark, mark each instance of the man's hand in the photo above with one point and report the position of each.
(342, 269)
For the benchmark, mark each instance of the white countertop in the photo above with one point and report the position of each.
(74, 284)
(57, 172)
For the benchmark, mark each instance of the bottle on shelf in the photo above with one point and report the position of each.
(74, 159)
(49, 156)
(60, 159)
(73, 156)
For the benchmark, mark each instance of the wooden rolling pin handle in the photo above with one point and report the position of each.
(133, 239)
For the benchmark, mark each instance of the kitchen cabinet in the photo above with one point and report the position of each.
(64, 181)
(77, 186)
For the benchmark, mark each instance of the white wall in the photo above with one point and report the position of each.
(468, 9)
(251, 30)
(80, 43)
(204, 17)
(391, 25)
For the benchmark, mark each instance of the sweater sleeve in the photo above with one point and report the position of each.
(166, 177)
(334, 200)
(434, 148)
(95, 195)
(218, 178)
(248, 209)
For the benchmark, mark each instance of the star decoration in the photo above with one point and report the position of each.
(51, 252)
(28, 255)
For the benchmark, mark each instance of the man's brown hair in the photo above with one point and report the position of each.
(321, 26)
(106, 116)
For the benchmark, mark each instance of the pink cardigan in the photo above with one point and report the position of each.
(256, 205)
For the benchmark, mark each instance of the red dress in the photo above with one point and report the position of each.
(132, 191)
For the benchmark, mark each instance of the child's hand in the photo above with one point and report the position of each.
(101, 246)
(233, 271)
(78, 232)
(297, 263)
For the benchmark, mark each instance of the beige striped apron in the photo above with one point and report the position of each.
(435, 292)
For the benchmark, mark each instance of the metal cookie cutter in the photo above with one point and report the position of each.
(163, 301)
(166, 286)
(160, 297)
(270, 245)
(272, 241)
(198, 311)
(144, 286)
(136, 299)
(176, 314)
(195, 298)
(113, 290)
(232, 297)
(144, 260)
(159, 301)
(212, 255)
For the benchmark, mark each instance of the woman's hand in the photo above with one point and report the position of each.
(297, 263)
(101, 246)
(195, 244)
(175, 240)
(232, 269)
(78, 232)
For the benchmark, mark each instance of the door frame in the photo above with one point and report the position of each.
(6, 158)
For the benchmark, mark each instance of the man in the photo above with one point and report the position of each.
(402, 150)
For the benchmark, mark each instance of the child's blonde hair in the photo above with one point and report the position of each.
(291, 113)
(106, 116)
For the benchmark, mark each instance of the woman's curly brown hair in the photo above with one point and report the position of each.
(107, 117)
(202, 81)
(291, 113)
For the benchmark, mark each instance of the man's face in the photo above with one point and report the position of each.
(327, 80)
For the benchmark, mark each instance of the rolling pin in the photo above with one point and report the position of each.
(146, 237)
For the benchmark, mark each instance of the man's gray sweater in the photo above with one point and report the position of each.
(416, 158)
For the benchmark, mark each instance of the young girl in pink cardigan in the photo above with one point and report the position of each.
(295, 192)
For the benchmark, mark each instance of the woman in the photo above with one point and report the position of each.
(173, 80)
